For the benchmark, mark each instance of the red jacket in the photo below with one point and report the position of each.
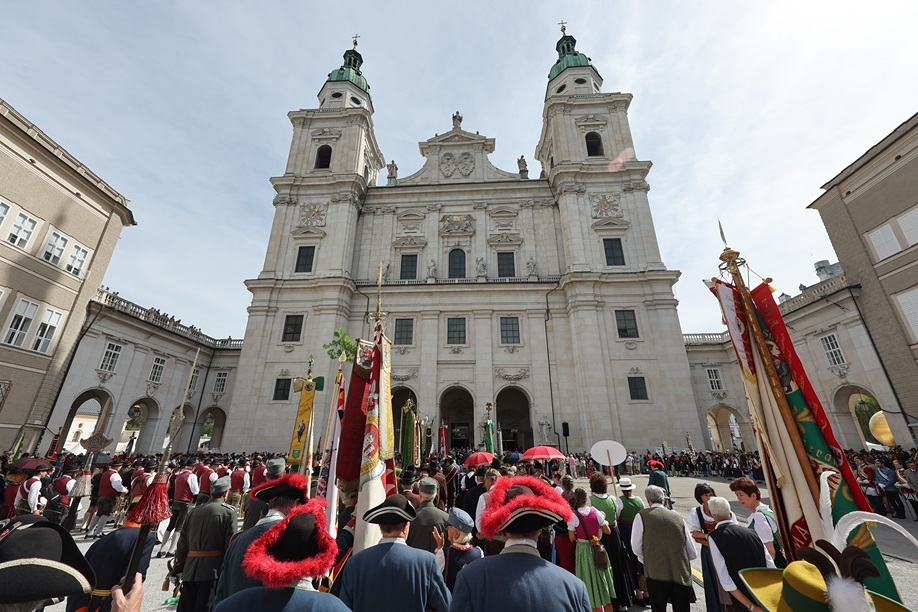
(237, 480)
(105, 485)
(60, 485)
(204, 480)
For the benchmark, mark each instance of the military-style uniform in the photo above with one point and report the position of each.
(200, 552)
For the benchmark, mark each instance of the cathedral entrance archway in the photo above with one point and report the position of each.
(513, 421)
(143, 419)
(728, 429)
(87, 415)
(457, 413)
(400, 395)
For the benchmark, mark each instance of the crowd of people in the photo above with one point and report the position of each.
(248, 532)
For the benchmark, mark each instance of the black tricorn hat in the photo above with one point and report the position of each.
(396, 509)
(39, 560)
(294, 486)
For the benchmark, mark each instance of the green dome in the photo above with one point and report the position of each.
(350, 71)
(568, 57)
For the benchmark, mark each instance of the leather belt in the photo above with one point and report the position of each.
(204, 553)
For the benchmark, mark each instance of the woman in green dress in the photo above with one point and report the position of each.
(586, 526)
(612, 542)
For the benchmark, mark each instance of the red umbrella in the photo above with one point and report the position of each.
(32, 464)
(542, 453)
(476, 459)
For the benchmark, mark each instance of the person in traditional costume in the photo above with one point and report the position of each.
(662, 543)
(255, 509)
(39, 561)
(110, 488)
(630, 507)
(762, 518)
(460, 552)
(373, 571)
(109, 557)
(285, 559)
(184, 485)
(406, 482)
(29, 492)
(611, 507)
(700, 523)
(281, 496)
(519, 579)
(584, 528)
(429, 518)
(201, 548)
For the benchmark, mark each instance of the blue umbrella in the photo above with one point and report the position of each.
(513, 457)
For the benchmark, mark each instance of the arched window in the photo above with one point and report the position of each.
(323, 157)
(457, 263)
(594, 144)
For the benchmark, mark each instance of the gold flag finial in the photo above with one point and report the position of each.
(356, 36)
(563, 23)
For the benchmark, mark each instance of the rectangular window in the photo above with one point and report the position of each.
(834, 353)
(77, 259)
(455, 331)
(293, 328)
(404, 331)
(637, 387)
(908, 302)
(194, 379)
(304, 258)
(156, 372)
(281, 389)
(220, 382)
(908, 223)
(54, 250)
(22, 321)
(22, 230)
(715, 382)
(509, 330)
(626, 322)
(4, 210)
(45, 334)
(110, 357)
(5, 386)
(615, 255)
(884, 241)
(506, 267)
(409, 270)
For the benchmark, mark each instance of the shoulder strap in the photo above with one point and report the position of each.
(704, 527)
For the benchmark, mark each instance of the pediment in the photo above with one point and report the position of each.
(407, 241)
(411, 215)
(609, 223)
(307, 230)
(503, 211)
(506, 238)
(456, 138)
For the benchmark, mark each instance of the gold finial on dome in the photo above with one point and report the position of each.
(356, 36)
(563, 23)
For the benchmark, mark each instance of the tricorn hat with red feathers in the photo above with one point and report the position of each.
(295, 548)
(295, 486)
(522, 504)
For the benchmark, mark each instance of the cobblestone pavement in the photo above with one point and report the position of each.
(901, 556)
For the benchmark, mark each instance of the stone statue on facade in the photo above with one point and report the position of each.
(457, 121)
(524, 168)
(432, 269)
(481, 266)
(531, 266)
(545, 428)
(392, 167)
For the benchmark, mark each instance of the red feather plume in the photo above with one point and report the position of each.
(543, 497)
(153, 507)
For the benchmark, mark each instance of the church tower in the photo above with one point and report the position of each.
(304, 289)
(618, 292)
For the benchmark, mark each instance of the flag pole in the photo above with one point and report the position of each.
(731, 262)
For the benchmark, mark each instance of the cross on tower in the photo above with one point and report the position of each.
(356, 36)
(562, 23)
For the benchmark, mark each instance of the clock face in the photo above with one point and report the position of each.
(605, 205)
(312, 214)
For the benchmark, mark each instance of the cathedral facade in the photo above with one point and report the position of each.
(544, 298)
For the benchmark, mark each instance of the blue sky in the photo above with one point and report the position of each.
(745, 109)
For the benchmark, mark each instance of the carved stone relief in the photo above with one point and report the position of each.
(520, 374)
(457, 225)
(450, 163)
(408, 375)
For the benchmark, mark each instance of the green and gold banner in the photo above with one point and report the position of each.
(302, 424)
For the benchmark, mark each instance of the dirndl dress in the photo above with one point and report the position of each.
(600, 584)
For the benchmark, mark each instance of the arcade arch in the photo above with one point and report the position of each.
(860, 404)
(94, 407)
(513, 420)
(149, 413)
(457, 413)
(726, 435)
(211, 422)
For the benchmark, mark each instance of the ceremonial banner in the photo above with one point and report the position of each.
(819, 440)
(442, 446)
(408, 439)
(302, 424)
(489, 436)
(328, 474)
(353, 424)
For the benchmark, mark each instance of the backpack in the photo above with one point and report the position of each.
(48, 491)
